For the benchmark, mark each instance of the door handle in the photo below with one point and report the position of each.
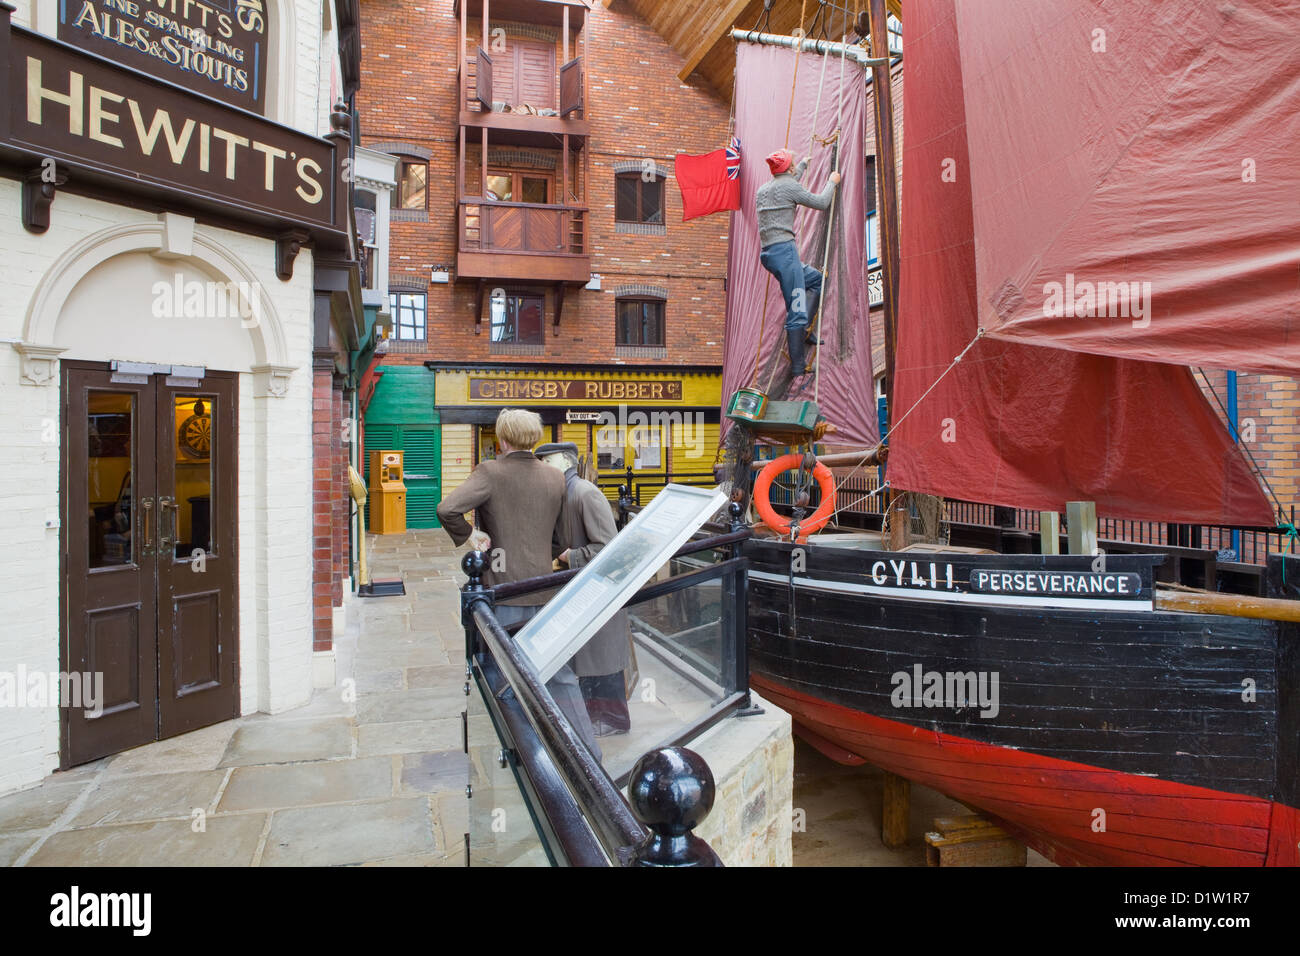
(146, 529)
(166, 539)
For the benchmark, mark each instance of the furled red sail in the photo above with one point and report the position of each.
(764, 77)
(1134, 176)
(1017, 424)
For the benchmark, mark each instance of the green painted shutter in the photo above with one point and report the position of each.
(423, 464)
(376, 438)
(401, 416)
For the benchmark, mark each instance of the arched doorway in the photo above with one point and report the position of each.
(158, 326)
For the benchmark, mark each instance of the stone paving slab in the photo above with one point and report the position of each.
(153, 797)
(425, 655)
(198, 750)
(350, 833)
(445, 771)
(14, 845)
(409, 736)
(369, 772)
(433, 676)
(425, 703)
(226, 841)
(386, 679)
(307, 784)
(287, 741)
(39, 807)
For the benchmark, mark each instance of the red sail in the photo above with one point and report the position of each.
(764, 79)
(1016, 424)
(1134, 178)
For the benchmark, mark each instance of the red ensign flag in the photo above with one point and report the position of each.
(709, 183)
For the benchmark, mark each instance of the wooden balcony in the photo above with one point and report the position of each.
(524, 124)
(522, 242)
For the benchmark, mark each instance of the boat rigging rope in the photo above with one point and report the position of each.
(979, 334)
(1281, 515)
(830, 219)
(767, 291)
(812, 141)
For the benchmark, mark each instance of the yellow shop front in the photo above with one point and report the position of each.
(645, 426)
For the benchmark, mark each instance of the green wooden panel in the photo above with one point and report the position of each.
(401, 416)
(404, 395)
(422, 445)
(375, 438)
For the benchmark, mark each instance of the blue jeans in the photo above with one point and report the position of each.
(798, 282)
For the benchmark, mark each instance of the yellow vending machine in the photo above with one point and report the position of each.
(387, 493)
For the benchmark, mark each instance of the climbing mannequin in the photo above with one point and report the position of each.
(800, 284)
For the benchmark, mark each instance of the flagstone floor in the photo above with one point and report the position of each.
(375, 777)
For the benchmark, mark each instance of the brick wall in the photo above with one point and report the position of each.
(637, 109)
(1268, 407)
(322, 508)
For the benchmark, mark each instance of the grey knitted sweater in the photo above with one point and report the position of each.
(777, 199)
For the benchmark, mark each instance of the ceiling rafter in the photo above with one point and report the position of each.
(700, 32)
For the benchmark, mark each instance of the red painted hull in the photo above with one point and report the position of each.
(1051, 804)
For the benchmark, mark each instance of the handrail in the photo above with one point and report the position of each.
(605, 806)
(545, 582)
(478, 201)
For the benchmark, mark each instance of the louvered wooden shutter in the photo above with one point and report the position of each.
(503, 76)
(376, 437)
(571, 87)
(483, 79)
(535, 79)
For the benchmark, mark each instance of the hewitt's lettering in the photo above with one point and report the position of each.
(113, 119)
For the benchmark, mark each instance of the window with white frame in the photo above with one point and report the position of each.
(408, 310)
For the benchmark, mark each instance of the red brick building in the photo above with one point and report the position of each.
(573, 265)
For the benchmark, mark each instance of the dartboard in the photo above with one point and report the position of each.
(195, 438)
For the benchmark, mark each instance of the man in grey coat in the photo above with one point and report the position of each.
(586, 526)
(517, 502)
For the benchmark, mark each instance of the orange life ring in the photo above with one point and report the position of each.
(763, 501)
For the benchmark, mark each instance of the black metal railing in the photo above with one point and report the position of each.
(644, 485)
(580, 816)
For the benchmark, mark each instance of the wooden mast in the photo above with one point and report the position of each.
(897, 511)
(887, 177)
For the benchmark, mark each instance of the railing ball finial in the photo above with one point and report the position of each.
(474, 564)
(340, 118)
(624, 505)
(737, 515)
(671, 791)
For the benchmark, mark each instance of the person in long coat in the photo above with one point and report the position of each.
(518, 503)
(586, 526)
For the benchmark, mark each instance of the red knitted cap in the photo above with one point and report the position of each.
(780, 161)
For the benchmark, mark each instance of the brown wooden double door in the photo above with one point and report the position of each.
(149, 559)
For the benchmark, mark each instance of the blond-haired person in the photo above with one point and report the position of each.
(517, 502)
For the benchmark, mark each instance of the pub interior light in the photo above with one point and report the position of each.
(441, 274)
